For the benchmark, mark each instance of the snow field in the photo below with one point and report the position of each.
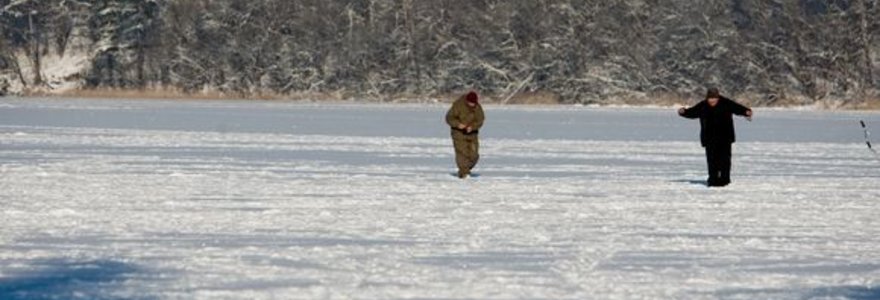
(203, 200)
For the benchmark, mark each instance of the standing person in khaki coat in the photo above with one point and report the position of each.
(466, 117)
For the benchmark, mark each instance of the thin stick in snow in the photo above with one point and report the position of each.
(867, 137)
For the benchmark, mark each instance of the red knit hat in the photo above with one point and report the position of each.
(472, 97)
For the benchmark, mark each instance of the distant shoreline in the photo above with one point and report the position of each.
(523, 99)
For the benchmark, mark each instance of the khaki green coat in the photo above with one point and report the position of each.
(466, 144)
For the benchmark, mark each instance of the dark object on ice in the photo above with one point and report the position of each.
(717, 132)
(465, 118)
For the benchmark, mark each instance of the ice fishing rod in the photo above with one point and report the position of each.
(868, 137)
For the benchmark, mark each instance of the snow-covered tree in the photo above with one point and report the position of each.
(576, 50)
(125, 35)
(28, 26)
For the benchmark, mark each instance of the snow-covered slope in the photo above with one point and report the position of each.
(152, 199)
(60, 73)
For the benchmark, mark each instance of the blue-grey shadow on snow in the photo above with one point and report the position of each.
(833, 292)
(512, 261)
(846, 292)
(691, 181)
(63, 279)
(473, 175)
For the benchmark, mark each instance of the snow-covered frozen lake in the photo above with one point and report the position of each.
(248, 200)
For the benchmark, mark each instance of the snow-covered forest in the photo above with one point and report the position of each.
(571, 51)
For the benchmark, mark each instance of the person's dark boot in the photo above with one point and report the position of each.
(718, 183)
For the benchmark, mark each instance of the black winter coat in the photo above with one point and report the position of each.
(716, 123)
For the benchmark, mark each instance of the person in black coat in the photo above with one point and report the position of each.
(716, 132)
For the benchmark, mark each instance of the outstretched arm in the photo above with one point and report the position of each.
(741, 110)
(691, 113)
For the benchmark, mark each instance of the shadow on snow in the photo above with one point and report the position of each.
(691, 181)
(62, 279)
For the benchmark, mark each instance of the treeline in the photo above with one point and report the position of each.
(575, 51)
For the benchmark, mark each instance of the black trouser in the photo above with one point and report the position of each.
(718, 158)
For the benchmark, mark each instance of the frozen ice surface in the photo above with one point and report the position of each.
(203, 200)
